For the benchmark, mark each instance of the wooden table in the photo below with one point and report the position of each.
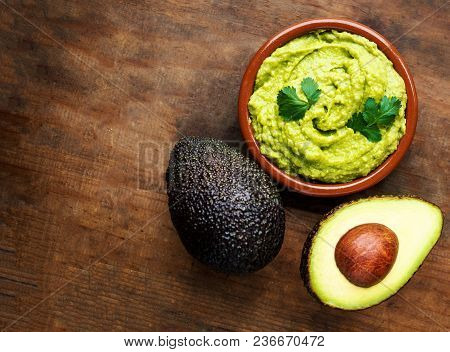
(92, 96)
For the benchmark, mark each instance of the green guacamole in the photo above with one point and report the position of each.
(349, 69)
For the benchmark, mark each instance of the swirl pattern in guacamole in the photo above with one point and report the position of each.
(349, 69)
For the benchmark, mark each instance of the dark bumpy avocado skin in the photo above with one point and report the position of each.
(304, 262)
(227, 211)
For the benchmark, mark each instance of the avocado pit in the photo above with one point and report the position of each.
(366, 254)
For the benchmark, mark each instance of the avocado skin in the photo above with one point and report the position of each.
(227, 211)
(304, 262)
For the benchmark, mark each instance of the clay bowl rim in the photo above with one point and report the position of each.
(297, 183)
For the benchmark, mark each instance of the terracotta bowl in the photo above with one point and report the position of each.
(297, 183)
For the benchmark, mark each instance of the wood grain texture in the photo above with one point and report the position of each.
(92, 96)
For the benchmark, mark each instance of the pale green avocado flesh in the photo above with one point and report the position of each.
(417, 224)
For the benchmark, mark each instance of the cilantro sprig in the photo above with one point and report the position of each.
(291, 107)
(368, 122)
(374, 116)
(311, 90)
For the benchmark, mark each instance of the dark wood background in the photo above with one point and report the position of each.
(92, 96)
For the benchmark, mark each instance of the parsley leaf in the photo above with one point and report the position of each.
(372, 133)
(311, 90)
(374, 116)
(357, 122)
(389, 109)
(370, 112)
(290, 106)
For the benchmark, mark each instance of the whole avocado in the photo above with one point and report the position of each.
(227, 211)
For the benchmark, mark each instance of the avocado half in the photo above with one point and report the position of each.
(417, 224)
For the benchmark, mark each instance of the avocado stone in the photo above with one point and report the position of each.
(226, 210)
(417, 225)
